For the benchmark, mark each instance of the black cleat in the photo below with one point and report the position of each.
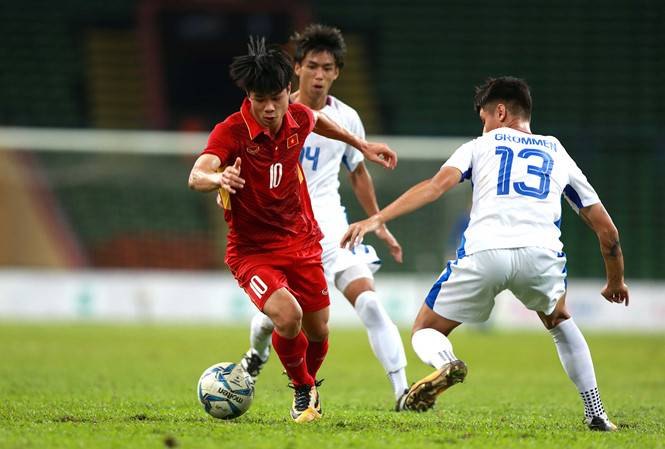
(252, 363)
(600, 424)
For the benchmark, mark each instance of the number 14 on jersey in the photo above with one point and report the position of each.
(310, 154)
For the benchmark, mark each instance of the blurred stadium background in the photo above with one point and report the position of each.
(105, 105)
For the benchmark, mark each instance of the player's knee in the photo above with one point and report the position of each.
(288, 321)
(557, 317)
(560, 318)
(319, 332)
(356, 288)
(262, 323)
(371, 310)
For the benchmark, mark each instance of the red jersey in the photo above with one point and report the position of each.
(273, 210)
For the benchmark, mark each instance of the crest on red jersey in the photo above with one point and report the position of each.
(292, 141)
(253, 149)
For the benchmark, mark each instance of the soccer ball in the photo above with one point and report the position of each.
(226, 390)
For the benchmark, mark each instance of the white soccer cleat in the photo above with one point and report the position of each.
(600, 424)
(422, 395)
(306, 405)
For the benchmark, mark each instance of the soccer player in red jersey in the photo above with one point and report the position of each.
(273, 242)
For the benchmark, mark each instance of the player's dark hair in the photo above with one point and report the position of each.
(262, 70)
(514, 92)
(318, 38)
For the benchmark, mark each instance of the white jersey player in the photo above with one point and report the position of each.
(321, 159)
(512, 242)
(319, 56)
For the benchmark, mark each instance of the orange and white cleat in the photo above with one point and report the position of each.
(422, 394)
(306, 404)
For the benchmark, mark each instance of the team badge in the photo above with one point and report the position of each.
(253, 149)
(292, 141)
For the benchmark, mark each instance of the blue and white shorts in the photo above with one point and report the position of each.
(466, 288)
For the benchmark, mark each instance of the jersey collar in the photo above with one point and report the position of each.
(255, 129)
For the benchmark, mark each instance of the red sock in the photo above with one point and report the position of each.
(292, 353)
(316, 353)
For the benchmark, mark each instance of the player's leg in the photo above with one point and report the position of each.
(264, 279)
(430, 337)
(576, 360)
(265, 283)
(431, 344)
(307, 281)
(291, 344)
(357, 285)
(260, 337)
(464, 292)
(315, 325)
(540, 283)
(288, 339)
(260, 277)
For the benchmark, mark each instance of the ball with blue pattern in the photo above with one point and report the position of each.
(225, 390)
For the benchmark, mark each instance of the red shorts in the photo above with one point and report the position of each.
(300, 272)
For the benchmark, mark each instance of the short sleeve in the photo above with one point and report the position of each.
(461, 159)
(352, 156)
(579, 193)
(221, 144)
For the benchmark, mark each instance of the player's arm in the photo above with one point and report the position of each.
(363, 188)
(417, 196)
(601, 223)
(205, 175)
(375, 152)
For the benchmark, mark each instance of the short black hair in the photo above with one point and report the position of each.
(318, 38)
(262, 70)
(513, 91)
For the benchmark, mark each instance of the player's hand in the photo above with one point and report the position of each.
(381, 154)
(616, 293)
(354, 235)
(230, 179)
(393, 245)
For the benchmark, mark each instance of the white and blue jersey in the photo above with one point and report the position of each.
(518, 179)
(512, 241)
(321, 159)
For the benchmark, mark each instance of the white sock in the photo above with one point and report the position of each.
(433, 347)
(260, 335)
(576, 360)
(398, 381)
(384, 339)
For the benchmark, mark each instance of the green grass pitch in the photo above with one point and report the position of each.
(85, 386)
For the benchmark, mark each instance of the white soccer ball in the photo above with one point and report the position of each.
(226, 390)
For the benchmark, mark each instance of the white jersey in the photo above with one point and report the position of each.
(518, 179)
(321, 159)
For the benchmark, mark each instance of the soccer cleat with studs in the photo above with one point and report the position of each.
(306, 403)
(600, 424)
(252, 363)
(422, 394)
